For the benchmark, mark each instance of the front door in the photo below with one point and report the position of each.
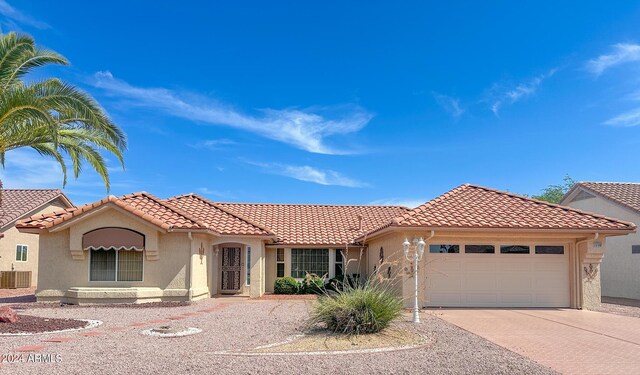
(230, 269)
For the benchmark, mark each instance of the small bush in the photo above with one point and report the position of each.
(286, 285)
(366, 308)
(311, 284)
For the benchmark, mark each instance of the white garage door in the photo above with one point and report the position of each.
(510, 276)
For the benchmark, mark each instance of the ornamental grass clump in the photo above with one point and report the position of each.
(359, 309)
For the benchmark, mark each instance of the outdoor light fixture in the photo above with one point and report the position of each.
(418, 251)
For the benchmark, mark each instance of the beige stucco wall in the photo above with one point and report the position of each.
(12, 237)
(270, 268)
(393, 258)
(620, 276)
(166, 278)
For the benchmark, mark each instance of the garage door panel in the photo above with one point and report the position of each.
(448, 299)
(482, 299)
(515, 282)
(480, 282)
(498, 280)
(516, 299)
(445, 284)
(475, 264)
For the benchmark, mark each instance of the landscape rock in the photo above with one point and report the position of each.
(8, 315)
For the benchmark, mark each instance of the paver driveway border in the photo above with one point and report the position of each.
(568, 341)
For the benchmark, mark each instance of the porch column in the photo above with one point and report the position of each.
(258, 268)
(590, 256)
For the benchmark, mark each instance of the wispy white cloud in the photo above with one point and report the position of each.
(499, 95)
(621, 53)
(27, 169)
(217, 193)
(15, 15)
(309, 174)
(304, 129)
(626, 119)
(449, 104)
(214, 144)
(406, 202)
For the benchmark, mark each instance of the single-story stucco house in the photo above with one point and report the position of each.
(621, 264)
(484, 248)
(19, 251)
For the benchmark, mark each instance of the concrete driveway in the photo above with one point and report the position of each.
(568, 341)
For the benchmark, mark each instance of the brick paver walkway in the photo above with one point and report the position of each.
(569, 341)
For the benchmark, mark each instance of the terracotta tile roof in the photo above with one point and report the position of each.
(311, 224)
(624, 193)
(216, 217)
(143, 205)
(476, 207)
(17, 203)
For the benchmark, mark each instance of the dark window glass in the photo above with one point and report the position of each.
(312, 261)
(338, 256)
(103, 265)
(514, 249)
(549, 249)
(280, 270)
(279, 255)
(479, 249)
(444, 249)
(635, 249)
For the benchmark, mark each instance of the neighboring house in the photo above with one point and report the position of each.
(621, 264)
(19, 251)
(484, 248)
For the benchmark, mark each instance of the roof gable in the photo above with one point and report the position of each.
(626, 194)
(17, 203)
(142, 205)
(476, 207)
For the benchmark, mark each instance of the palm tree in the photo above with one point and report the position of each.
(55, 118)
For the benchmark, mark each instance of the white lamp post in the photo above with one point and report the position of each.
(417, 252)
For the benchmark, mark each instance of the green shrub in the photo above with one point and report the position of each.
(366, 308)
(311, 284)
(286, 285)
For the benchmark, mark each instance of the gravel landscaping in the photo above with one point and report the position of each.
(620, 306)
(233, 328)
(36, 324)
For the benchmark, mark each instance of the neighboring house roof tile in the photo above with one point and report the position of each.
(216, 217)
(624, 193)
(315, 224)
(143, 205)
(476, 207)
(17, 203)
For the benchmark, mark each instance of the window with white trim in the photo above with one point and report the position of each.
(115, 265)
(312, 261)
(21, 253)
(248, 267)
(279, 262)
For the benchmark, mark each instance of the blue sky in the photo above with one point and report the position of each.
(329, 102)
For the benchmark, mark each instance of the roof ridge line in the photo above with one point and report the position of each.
(310, 204)
(213, 204)
(169, 207)
(555, 205)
